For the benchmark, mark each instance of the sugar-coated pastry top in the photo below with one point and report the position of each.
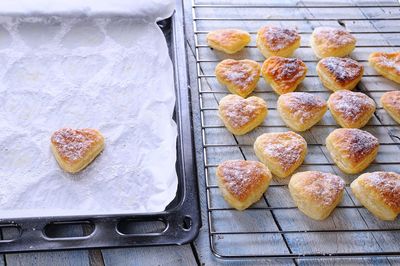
(391, 100)
(343, 70)
(276, 38)
(242, 177)
(330, 37)
(353, 144)
(72, 145)
(302, 105)
(239, 73)
(351, 106)
(321, 187)
(239, 111)
(387, 61)
(384, 184)
(228, 40)
(285, 147)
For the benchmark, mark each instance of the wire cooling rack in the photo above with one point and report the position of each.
(274, 228)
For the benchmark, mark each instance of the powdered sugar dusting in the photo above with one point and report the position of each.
(389, 60)
(287, 148)
(239, 73)
(73, 145)
(388, 186)
(344, 69)
(285, 69)
(278, 38)
(238, 112)
(302, 105)
(333, 37)
(391, 99)
(324, 187)
(351, 105)
(241, 177)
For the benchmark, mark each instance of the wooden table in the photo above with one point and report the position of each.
(199, 252)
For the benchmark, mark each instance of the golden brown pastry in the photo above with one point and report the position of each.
(240, 77)
(351, 109)
(329, 41)
(386, 64)
(352, 149)
(75, 149)
(242, 183)
(391, 103)
(301, 110)
(229, 41)
(278, 41)
(242, 115)
(379, 192)
(316, 194)
(339, 73)
(282, 152)
(283, 74)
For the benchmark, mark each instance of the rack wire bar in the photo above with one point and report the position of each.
(206, 88)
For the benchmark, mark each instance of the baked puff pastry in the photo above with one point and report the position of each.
(242, 183)
(240, 77)
(386, 64)
(301, 110)
(278, 41)
(391, 103)
(379, 192)
(352, 149)
(282, 152)
(316, 194)
(74, 149)
(328, 41)
(242, 115)
(351, 109)
(338, 73)
(283, 74)
(229, 41)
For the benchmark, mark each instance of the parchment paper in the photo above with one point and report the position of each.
(111, 73)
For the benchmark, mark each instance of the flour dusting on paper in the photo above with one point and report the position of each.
(109, 73)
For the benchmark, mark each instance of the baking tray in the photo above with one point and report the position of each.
(178, 224)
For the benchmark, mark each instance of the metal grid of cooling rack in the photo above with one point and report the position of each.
(214, 213)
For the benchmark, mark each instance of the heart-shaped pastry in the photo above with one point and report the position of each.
(316, 194)
(228, 41)
(329, 41)
(379, 192)
(391, 103)
(283, 74)
(74, 149)
(278, 41)
(351, 109)
(386, 64)
(301, 110)
(240, 77)
(282, 152)
(242, 183)
(338, 73)
(352, 149)
(242, 115)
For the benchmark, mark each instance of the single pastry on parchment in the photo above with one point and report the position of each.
(301, 110)
(229, 41)
(281, 152)
(272, 40)
(316, 194)
(391, 103)
(74, 149)
(352, 149)
(351, 109)
(386, 64)
(329, 41)
(283, 74)
(338, 73)
(241, 115)
(239, 76)
(379, 192)
(242, 183)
